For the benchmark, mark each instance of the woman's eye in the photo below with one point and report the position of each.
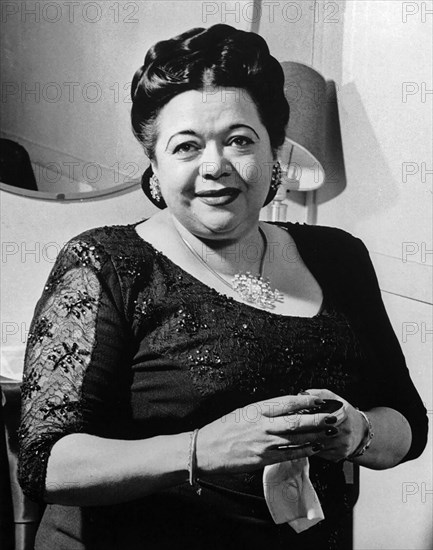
(241, 141)
(185, 148)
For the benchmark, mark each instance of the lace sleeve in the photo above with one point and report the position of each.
(78, 308)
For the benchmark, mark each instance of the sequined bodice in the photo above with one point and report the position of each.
(227, 353)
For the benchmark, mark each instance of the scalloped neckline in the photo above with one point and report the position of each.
(321, 313)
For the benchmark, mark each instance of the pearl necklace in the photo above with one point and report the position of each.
(252, 288)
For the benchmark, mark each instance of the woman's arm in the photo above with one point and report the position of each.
(402, 430)
(389, 444)
(77, 359)
(391, 441)
(87, 470)
(384, 389)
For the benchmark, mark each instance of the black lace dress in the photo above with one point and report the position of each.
(125, 344)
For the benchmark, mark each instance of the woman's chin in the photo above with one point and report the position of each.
(218, 220)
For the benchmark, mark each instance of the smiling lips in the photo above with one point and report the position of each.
(224, 192)
(219, 197)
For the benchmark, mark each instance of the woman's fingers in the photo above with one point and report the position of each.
(289, 454)
(303, 422)
(287, 404)
(351, 429)
(326, 437)
(293, 452)
(298, 425)
(275, 430)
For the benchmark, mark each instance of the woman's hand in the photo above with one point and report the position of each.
(390, 444)
(275, 430)
(350, 429)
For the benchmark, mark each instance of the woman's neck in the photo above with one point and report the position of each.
(226, 256)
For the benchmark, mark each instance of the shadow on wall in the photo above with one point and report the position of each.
(335, 181)
(360, 139)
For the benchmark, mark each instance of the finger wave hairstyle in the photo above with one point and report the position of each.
(202, 59)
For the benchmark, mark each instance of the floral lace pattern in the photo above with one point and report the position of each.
(58, 353)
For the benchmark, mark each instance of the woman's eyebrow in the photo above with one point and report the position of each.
(181, 133)
(193, 133)
(235, 126)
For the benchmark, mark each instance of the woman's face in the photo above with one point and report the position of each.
(213, 159)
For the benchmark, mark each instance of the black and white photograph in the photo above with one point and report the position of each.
(216, 275)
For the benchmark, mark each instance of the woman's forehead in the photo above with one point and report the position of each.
(205, 110)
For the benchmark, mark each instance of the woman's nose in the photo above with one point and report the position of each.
(213, 163)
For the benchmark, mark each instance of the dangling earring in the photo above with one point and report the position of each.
(276, 177)
(154, 188)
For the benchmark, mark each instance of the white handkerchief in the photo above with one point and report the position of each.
(290, 496)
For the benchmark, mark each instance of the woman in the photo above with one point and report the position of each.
(157, 389)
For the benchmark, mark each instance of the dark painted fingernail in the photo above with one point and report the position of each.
(317, 447)
(319, 402)
(331, 420)
(303, 393)
(331, 431)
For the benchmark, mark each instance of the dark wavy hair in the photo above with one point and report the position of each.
(198, 59)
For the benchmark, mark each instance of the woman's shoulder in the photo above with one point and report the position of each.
(115, 235)
(321, 237)
(325, 231)
(331, 251)
(112, 240)
(118, 246)
(336, 254)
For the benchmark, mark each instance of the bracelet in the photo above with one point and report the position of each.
(366, 440)
(192, 462)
